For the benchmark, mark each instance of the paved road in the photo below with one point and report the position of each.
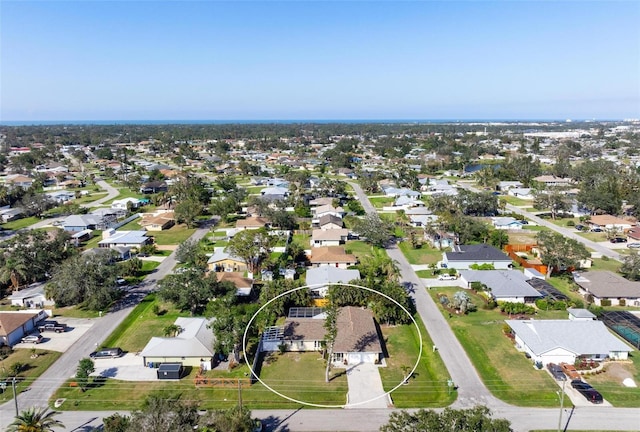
(604, 250)
(471, 389)
(111, 194)
(43, 388)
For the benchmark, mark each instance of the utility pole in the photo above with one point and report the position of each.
(561, 395)
(15, 395)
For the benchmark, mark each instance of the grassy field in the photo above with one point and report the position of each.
(424, 255)
(594, 236)
(428, 385)
(507, 373)
(612, 389)
(75, 312)
(173, 236)
(125, 193)
(515, 201)
(605, 264)
(90, 198)
(359, 248)
(141, 324)
(33, 368)
(379, 202)
(20, 223)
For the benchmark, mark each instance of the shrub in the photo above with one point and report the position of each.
(516, 308)
(542, 304)
(622, 302)
(444, 300)
(605, 302)
(571, 223)
(579, 304)
(605, 258)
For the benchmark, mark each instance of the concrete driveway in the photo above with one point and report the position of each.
(52, 341)
(365, 384)
(129, 367)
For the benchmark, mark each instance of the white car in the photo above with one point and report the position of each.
(447, 276)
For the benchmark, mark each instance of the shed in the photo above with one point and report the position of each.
(170, 371)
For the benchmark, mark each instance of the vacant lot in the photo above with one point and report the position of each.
(32, 368)
(427, 387)
(423, 255)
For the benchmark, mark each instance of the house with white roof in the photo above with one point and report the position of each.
(112, 238)
(558, 341)
(506, 223)
(124, 203)
(329, 237)
(319, 278)
(192, 346)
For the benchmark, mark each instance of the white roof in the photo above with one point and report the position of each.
(219, 254)
(195, 340)
(327, 274)
(579, 337)
(126, 237)
(503, 283)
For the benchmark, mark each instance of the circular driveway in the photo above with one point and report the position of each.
(61, 342)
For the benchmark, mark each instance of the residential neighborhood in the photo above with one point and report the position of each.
(323, 264)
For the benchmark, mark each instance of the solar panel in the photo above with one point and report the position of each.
(547, 290)
(304, 312)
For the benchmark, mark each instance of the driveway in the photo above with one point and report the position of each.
(52, 341)
(129, 367)
(365, 384)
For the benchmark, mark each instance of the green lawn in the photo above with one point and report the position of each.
(125, 193)
(90, 198)
(20, 223)
(75, 312)
(515, 201)
(611, 387)
(428, 385)
(507, 373)
(173, 236)
(141, 324)
(33, 368)
(424, 255)
(593, 236)
(605, 264)
(359, 248)
(379, 202)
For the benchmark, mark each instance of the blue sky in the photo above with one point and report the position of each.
(181, 60)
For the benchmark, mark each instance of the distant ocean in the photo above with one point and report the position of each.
(299, 121)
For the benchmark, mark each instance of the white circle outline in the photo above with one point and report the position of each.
(244, 344)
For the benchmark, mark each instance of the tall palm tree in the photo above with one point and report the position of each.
(15, 271)
(35, 419)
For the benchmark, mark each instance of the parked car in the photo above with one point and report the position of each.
(585, 389)
(54, 326)
(447, 276)
(633, 245)
(570, 371)
(34, 338)
(618, 240)
(107, 353)
(580, 227)
(597, 230)
(556, 371)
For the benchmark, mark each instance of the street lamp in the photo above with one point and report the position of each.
(561, 397)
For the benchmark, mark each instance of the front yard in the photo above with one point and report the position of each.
(32, 368)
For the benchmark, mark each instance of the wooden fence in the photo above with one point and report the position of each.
(511, 251)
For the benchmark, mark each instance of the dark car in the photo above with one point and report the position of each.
(556, 371)
(618, 240)
(107, 353)
(597, 230)
(585, 389)
(581, 227)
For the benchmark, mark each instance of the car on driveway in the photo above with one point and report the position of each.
(570, 371)
(34, 338)
(633, 245)
(618, 240)
(597, 230)
(447, 276)
(556, 371)
(585, 389)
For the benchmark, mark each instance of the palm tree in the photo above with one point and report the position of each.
(172, 330)
(35, 420)
(15, 271)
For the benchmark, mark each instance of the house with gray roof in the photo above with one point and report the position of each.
(464, 256)
(557, 341)
(502, 285)
(609, 287)
(76, 223)
(192, 346)
(112, 239)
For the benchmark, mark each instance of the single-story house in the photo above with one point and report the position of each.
(224, 261)
(320, 277)
(124, 203)
(503, 285)
(19, 180)
(275, 193)
(76, 223)
(329, 222)
(192, 346)
(464, 256)
(81, 236)
(606, 285)
(112, 238)
(252, 222)
(322, 201)
(16, 325)
(609, 222)
(506, 185)
(243, 285)
(551, 180)
(8, 214)
(32, 297)
(334, 256)
(330, 237)
(357, 340)
(154, 187)
(506, 223)
(522, 193)
(328, 209)
(558, 341)
(158, 221)
(61, 197)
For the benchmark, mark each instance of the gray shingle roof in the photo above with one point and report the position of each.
(604, 284)
(195, 340)
(327, 274)
(578, 337)
(503, 283)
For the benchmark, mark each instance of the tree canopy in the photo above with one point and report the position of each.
(253, 247)
(477, 419)
(559, 252)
